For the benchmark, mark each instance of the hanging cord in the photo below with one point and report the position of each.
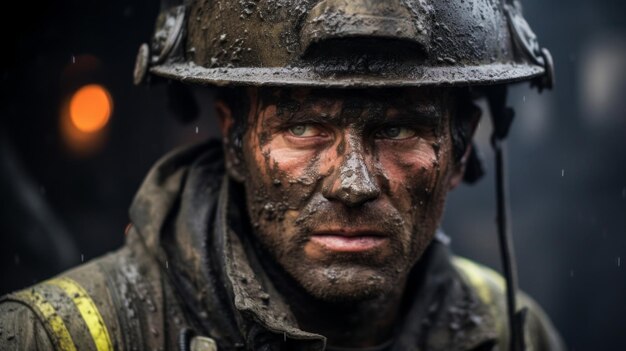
(502, 117)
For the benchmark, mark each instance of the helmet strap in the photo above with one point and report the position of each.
(502, 117)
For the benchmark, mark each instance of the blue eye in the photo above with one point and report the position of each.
(298, 130)
(395, 133)
(392, 132)
(304, 130)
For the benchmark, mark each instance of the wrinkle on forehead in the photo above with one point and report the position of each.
(351, 106)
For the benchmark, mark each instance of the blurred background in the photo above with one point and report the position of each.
(66, 181)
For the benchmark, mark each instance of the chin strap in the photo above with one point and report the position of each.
(502, 117)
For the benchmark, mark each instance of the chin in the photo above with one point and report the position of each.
(343, 283)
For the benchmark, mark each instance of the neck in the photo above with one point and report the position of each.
(349, 324)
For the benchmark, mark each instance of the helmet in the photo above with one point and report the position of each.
(303, 43)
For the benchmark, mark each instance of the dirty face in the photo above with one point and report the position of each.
(345, 188)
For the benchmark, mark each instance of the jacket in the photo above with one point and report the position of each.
(187, 279)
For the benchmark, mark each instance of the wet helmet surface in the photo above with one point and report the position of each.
(344, 43)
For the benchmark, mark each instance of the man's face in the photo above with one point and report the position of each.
(345, 189)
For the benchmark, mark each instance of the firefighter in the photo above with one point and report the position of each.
(313, 224)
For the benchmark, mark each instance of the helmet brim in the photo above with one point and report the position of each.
(451, 76)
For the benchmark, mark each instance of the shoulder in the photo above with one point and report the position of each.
(85, 308)
(73, 309)
(490, 287)
(488, 284)
(21, 329)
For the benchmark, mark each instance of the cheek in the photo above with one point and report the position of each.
(287, 175)
(410, 169)
(288, 161)
(297, 165)
(417, 175)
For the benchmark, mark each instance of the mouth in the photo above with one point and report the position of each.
(349, 241)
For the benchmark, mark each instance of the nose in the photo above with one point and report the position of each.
(353, 184)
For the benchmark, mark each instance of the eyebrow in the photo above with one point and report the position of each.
(428, 117)
(308, 116)
(426, 110)
(423, 114)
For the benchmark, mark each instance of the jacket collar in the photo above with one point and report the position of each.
(252, 291)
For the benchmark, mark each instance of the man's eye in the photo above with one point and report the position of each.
(396, 133)
(304, 130)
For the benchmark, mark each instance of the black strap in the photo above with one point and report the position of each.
(502, 117)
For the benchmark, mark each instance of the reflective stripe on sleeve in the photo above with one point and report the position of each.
(88, 310)
(55, 322)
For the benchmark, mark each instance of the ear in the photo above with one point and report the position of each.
(459, 170)
(232, 158)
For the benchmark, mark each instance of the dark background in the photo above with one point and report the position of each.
(567, 165)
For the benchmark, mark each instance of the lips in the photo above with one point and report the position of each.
(349, 241)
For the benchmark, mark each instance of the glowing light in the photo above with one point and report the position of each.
(84, 118)
(90, 108)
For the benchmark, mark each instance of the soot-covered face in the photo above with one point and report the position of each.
(345, 188)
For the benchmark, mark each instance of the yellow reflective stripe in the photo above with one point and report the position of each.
(480, 277)
(88, 311)
(49, 313)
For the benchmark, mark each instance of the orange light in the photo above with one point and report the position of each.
(90, 108)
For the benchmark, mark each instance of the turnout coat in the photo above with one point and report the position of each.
(187, 279)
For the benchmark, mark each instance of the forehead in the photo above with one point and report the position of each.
(389, 97)
(347, 106)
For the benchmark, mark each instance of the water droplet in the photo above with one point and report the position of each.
(476, 320)
(562, 173)
(264, 296)
(571, 273)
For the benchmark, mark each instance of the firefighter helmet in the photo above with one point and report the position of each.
(340, 43)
